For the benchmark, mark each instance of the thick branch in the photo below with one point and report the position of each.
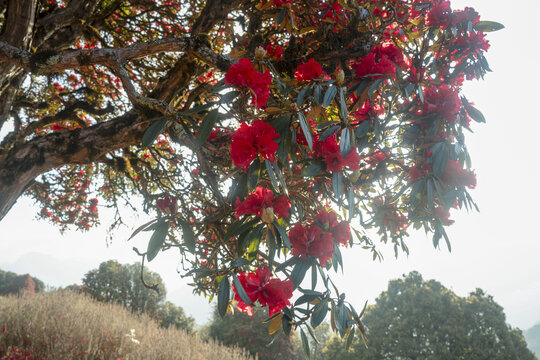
(24, 163)
(109, 57)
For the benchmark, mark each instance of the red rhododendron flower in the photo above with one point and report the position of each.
(167, 205)
(261, 199)
(274, 51)
(415, 174)
(249, 141)
(308, 71)
(455, 175)
(260, 287)
(341, 231)
(369, 110)
(244, 74)
(443, 215)
(442, 100)
(329, 150)
(439, 15)
(312, 241)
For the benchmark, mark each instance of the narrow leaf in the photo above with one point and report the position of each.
(229, 97)
(223, 296)
(206, 127)
(329, 95)
(240, 291)
(188, 235)
(141, 228)
(271, 175)
(305, 343)
(157, 240)
(275, 324)
(488, 26)
(306, 129)
(153, 131)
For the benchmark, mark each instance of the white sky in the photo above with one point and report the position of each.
(497, 250)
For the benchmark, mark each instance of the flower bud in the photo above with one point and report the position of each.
(340, 77)
(260, 53)
(267, 215)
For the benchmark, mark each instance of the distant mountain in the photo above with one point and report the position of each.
(52, 271)
(60, 273)
(532, 336)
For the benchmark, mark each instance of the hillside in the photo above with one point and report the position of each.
(65, 325)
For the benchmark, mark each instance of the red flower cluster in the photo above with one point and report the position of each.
(274, 51)
(380, 61)
(244, 74)
(455, 175)
(442, 100)
(318, 238)
(261, 199)
(251, 140)
(377, 157)
(416, 173)
(388, 217)
(260, 287)
(308, 71)
(369, 110)
(167, 205)
(329, 150)
(443, 215)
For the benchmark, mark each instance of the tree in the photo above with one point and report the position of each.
(113, 282)
(172, 315)
(11, 283)
(417, 319)
(246, 331)
(239, 124)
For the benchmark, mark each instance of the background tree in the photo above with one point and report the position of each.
(117, 283)
(11, 283)
(247, 332)
(172, 315)
(241, 125)
(417, 319)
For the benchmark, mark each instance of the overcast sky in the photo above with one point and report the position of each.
(497, 249)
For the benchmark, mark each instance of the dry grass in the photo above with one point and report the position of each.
(65, 325)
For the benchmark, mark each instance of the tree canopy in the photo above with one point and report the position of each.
(244, 126)
(418, 319)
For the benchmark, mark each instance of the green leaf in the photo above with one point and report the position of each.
(223, 296)
(363, 129)
(301, 95)
(337, 184)
(286, 324)
(314, 276)
(283, 235)
(238, 262)
(253, 174)
(329, 131)
(374, 87)
(350, 339)
(319, 313)
(153, 131)
(345, 144)
(271, 175)
(206, 127)
(299, 271)
(239, 227)
(488, 26)
(281, 15)
(314, 169)
(240, 291)
(287, 263)
(305, 129)
(430, 193)
(229, 97)
(142, 228)
(474, 113)
(343, 105)
(277, 171)
(329, 95)
(157, 240)
(305, 343)
(351, 202)
(188, 235)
